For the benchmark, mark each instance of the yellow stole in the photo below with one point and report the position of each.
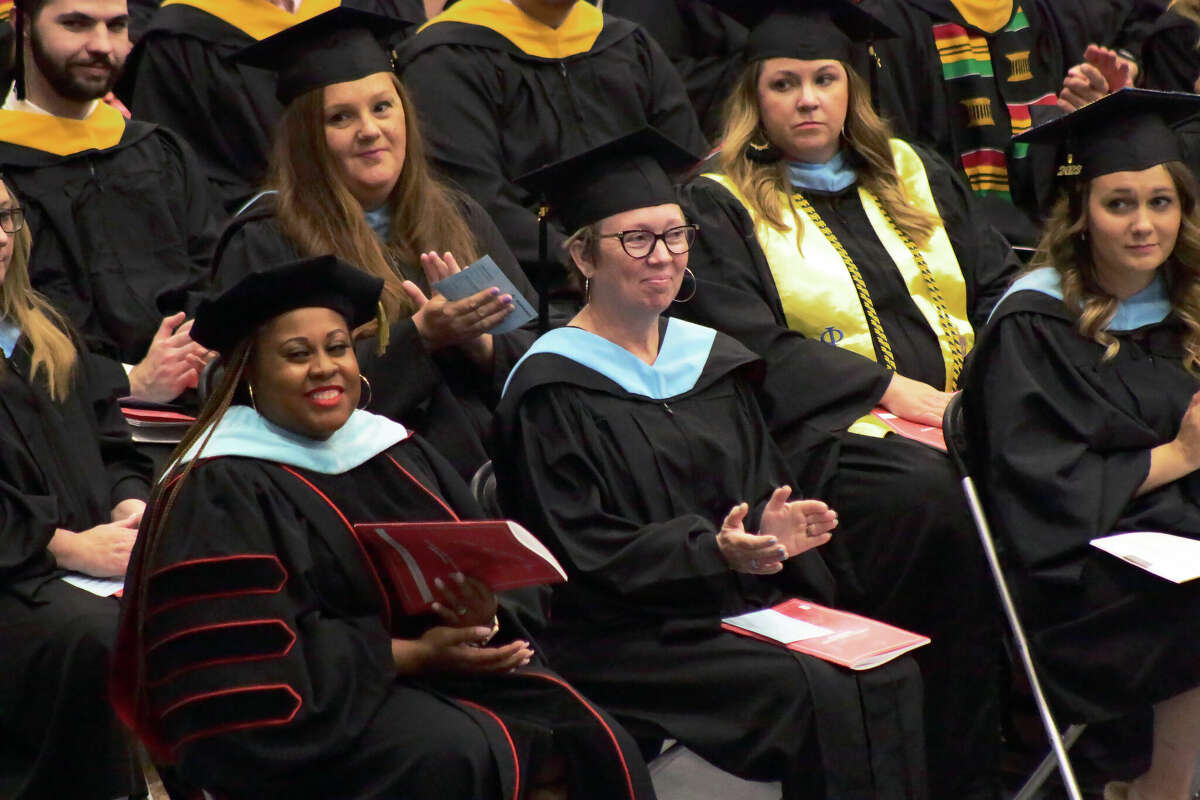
(258, 19)
(818, 294)
(62, 136)
(577, 33)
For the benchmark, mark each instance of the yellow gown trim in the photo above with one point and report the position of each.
(62, 136)
(817, 291)
(576, 35)
(258, 19)
(988, 16)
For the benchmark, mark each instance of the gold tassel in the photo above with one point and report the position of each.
(385, 330)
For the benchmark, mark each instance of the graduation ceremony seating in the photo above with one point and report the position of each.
(954, 430)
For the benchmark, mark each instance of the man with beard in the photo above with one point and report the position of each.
(124, 220)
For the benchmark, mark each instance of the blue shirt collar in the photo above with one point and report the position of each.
(244, 432)
(681, 358)
(10, 334)
(380, 220)
(834, 175)
(1147, 307)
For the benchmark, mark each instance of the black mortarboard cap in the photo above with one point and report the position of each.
(343, 44)
(322, 282)
(631, 171)
(1126, 131)
(813, 30)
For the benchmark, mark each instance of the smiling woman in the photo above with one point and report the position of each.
(349, 176)
(258, 648)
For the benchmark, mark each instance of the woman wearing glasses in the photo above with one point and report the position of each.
(634, 447)
(72, 490)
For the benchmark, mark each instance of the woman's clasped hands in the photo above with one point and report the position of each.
(468, 609)
(787, 529)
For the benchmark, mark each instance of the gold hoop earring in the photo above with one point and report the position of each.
(370, 391)
(250, 388)
(695, 286)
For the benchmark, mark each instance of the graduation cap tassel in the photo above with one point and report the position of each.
(544, 268)
(385, 329)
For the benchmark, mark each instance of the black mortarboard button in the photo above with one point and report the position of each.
(814, 30)
(343, 44)
(1126, 131)
(631, 171)
(322, 282)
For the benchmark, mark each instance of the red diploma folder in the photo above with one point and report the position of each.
(409, 556)
(925, 434)
(841, 637)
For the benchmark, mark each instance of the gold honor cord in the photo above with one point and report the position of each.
(864, 297)
(948, 330)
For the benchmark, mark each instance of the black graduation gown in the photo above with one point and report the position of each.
(306, 704)
(444, 396)
(182, 75)
(1170, 61)
(628, 492)
(494, 112)
(1060, 443)
(814, 392)
(911, 92)
(704, 45)
(120, 235)
(62, 465)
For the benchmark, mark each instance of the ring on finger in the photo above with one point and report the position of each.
(754, 563)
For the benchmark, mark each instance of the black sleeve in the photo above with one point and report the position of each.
(249, 245)
(462, 85)
(292, 684)
(27, 519)
(1052, 478)
(1170, 60)
(129, 470)
(569, 494)
(668, 107)
(987, 260)
(200, 214)
(182, 84)
(808, 382)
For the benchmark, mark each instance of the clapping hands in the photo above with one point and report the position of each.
(788, 529)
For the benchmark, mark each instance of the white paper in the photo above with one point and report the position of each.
(1176, 558)
(780, 627)
(105, 587)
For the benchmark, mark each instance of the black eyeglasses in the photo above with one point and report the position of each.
(640, 243)
(12, 219)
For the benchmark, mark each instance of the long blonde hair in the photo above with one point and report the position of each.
(1186, 8)
(1065, 248)
(766, 187)
(319, 214)
(53, 353)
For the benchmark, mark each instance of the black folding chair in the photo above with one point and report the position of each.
(954, 430)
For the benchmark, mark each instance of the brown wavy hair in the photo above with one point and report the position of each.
(1064, 248)
(766, 187)
(54, 355)
(319, 215)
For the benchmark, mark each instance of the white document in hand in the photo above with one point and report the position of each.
(1176, 558)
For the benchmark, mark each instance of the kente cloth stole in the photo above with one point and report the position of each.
(825, 298)
(6, 8)
(991, 84)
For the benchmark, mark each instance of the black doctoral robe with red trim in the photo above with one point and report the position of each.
(268, 651)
